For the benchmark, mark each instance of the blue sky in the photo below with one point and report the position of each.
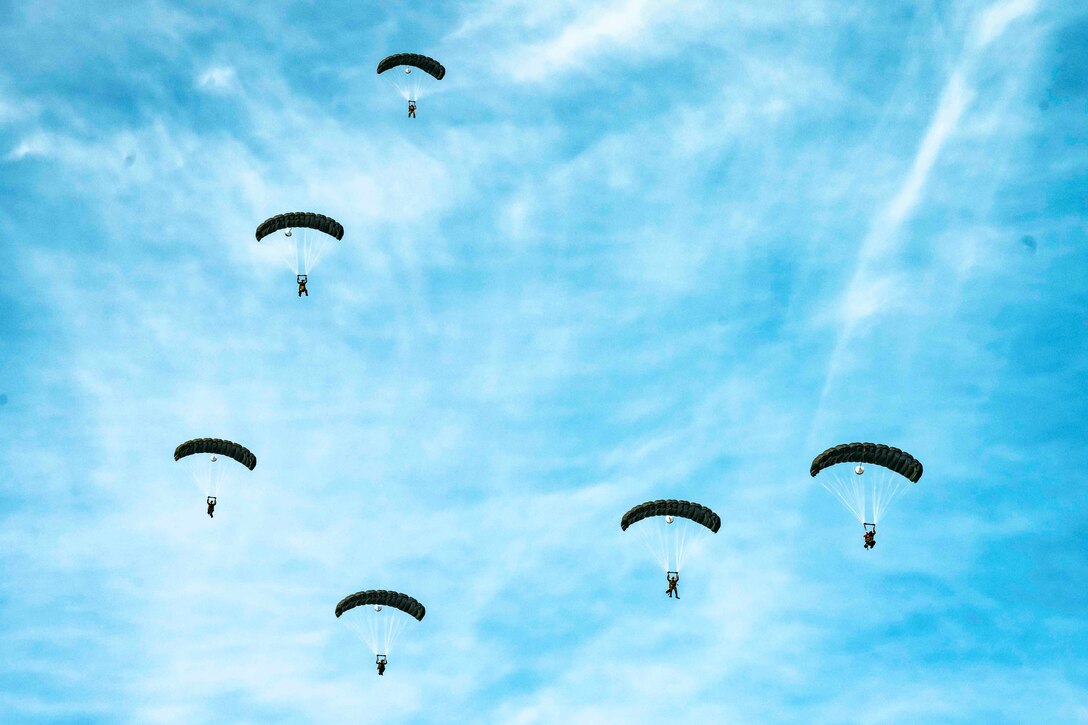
(628, 250)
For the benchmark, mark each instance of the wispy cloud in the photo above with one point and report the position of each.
(594, 32)
(217, 78)
(873, 288)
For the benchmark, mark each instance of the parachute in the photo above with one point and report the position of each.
(415, 60)
(374, 624)
(410, 85)
(684, 509)
(218, 447)
(878, 454)
(301, 220)
(203, 454)
(866, 492)
(304, 240)
(670, 529)
(382, 598)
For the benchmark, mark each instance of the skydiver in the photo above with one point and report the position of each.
(673, 578)
(381, 660)
(301, 279)
(870, 539)
(211, 506)
(411, 109)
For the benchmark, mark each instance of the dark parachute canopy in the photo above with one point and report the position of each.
(877, 454)
(300, 220)
(382, 597)
(219, 447)
(428, 65)
(684, 509)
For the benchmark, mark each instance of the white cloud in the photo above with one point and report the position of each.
(998, 17)
(869, 292)
(595, 32)
(954, 101)
(218, 78)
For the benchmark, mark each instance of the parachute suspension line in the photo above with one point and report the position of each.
(883, 496)
(692, 536)
(868, 495)
(285, 250)
(365, 626)
(857, 487)
(298, 259)
(875, 496)
(393, 629)
(849, 492)
(653, 538)
(367, 630)
(377, 633)
(398, 80)
(667, 543)
(202, 477)
(409, 86)
(207, 476)
(680, 540)
(661, 541)
(379, 630)
(304, 251)
(313, 250)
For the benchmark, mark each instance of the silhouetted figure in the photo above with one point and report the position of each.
(301, 279)
(211, 506)
(673, 577)
(411, 109)
(382, 661)
(870, 536)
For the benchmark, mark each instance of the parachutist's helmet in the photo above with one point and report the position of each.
(860, 469)
(286, 232)
(668, 519)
